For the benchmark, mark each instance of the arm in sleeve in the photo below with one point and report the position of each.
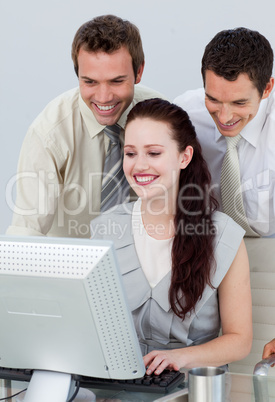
(38, 183)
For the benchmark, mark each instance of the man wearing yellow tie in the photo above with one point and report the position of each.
(234, 117)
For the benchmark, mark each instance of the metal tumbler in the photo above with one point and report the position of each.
(206, 384)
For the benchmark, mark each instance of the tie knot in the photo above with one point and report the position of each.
(113, 133)
(232, 142)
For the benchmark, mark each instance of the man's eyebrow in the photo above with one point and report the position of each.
(119, 77)
(242, 100)
(209, 96)
(83, 77)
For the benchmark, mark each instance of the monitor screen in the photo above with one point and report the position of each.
(63, 308)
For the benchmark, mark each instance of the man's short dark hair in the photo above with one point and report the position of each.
(108, 33)
(240, 50)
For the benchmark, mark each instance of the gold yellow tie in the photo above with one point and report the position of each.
(232, 200)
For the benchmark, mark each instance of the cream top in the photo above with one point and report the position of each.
(154, 255)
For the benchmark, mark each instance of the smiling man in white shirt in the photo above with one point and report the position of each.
(62, 159)
(238, 98)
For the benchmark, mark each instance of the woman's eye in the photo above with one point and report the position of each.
(154, 153)
(129, 154)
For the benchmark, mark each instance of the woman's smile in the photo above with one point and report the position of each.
(144, 179)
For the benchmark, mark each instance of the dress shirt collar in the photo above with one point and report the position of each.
(252, 131)
(92, 124)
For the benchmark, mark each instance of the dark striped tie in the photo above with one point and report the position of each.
(115, 188)
(232, 200)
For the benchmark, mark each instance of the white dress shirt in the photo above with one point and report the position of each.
(256, 151)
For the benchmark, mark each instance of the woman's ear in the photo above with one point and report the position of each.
(186, 156)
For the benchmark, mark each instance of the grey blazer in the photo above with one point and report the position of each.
(156, 325)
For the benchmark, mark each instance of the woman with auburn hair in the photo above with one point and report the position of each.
(184, 265)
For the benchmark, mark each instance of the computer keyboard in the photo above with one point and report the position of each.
(15, 374)
(163, 383)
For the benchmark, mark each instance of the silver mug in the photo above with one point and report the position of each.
(206, 384)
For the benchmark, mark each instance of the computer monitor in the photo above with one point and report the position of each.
(63, 309)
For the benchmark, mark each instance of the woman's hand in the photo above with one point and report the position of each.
(158, 360)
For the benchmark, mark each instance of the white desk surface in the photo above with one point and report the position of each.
(239, 388)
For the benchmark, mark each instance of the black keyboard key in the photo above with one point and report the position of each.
(147, 380)
(157, 379)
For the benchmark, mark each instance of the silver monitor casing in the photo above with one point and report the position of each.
(63, 308)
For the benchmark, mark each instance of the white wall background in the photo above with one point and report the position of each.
(35, 45)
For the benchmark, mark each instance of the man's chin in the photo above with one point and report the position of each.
(106, 120)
